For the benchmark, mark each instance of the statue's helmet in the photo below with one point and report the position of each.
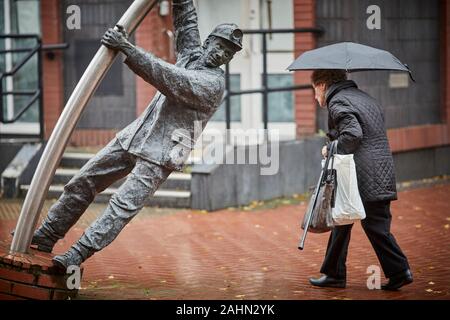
(230, 32)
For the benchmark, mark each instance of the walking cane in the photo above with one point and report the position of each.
(309, 214)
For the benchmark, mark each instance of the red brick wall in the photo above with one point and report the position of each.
(418, 137)
(31, 276)
(91, 137)
(52, 69)
(305, 105)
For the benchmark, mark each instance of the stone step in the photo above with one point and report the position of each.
(161, 198)
(78, 159)
(175, 181)
(75, 159)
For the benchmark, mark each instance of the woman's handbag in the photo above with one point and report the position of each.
(321, 218)
(318, 216)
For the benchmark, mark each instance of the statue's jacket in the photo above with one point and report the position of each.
(187, 96)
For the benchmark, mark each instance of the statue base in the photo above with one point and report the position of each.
(32, 276)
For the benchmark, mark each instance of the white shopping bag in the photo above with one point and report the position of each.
(348, 206)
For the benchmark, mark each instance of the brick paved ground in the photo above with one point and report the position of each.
(240, 254)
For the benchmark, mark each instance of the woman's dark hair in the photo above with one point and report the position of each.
(328, 76)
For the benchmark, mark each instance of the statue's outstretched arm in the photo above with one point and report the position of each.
(187, 36)
(201, 89)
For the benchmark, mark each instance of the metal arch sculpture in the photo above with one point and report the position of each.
(57, 142)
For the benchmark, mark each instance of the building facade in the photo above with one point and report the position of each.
(417, 32)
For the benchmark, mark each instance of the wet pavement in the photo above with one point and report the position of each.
(251, 252)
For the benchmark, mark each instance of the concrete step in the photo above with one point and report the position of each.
(174, 192)
(175, 181)
(161, 198)
(75, 159)
(78, 159)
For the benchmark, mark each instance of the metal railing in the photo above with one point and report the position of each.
(35, 95)
(264, 90)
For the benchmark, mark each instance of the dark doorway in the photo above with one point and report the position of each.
(114, 104)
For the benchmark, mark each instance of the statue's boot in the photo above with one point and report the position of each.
(75, 256)
(43, 241)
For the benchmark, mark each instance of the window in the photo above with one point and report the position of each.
(235, 102)
(277, 14)
(281, 104)
(20, 17)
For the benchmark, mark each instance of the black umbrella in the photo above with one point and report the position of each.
(350, 57)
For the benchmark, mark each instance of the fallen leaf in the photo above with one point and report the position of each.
(418, 226)
(111, 277)
(429, 290)
(431, 282)
(406, 184)
(240, 296)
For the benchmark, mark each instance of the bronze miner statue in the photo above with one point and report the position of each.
(152, 146)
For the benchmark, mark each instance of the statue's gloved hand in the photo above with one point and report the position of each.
(115, 39)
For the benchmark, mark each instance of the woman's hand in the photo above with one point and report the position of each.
(324, 151)
(115, 39)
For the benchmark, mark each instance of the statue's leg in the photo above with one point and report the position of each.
(107, 166)
(141, 183)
